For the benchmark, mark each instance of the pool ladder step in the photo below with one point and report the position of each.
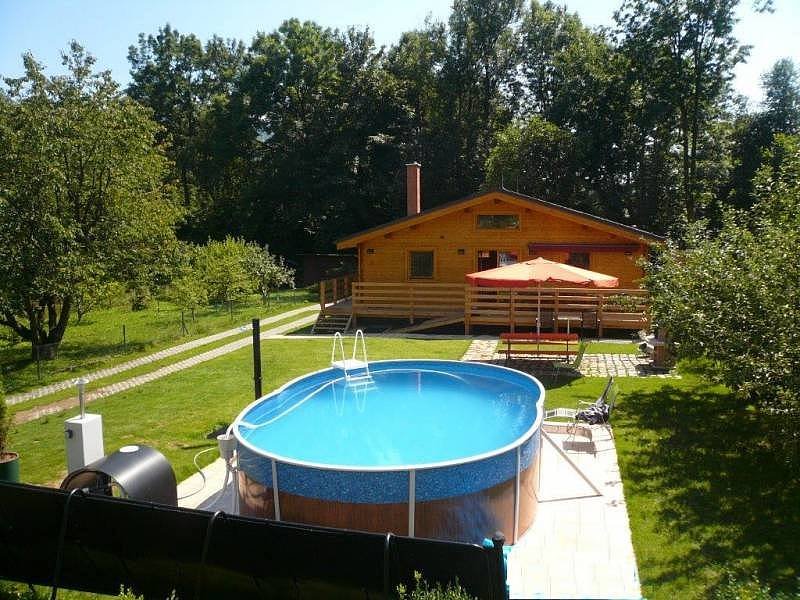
(351, 364)
(361, 382)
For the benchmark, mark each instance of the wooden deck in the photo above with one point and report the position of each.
(428, 305)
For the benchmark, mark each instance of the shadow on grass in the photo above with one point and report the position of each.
(718, 479)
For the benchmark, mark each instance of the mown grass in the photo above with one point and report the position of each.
(175, 413)
(611, 348)
(711, 485)
(140, 370)
(97, 341)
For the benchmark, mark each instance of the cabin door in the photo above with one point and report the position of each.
(489, 259)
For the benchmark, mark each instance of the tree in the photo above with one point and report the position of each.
(724, 295)
(81, 187)
(684, 52)
(223, 266)
(535, 157)
(268, 272)
(179, 79)
(782, 97)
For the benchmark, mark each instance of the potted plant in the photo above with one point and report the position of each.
(9, 461)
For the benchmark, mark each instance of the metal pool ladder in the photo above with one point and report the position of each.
(352, 364)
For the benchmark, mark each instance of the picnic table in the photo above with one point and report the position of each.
(547, 344)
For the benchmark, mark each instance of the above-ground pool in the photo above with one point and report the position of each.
(428, 448)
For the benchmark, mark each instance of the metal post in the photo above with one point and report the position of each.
(517, 495)
(81, 384)
(124, 339)
(257, 357)
(412, 498)
(276, 500)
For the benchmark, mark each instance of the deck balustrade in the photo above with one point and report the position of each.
(509, 308)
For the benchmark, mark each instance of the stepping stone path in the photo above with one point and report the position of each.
(621, 365)
(46, 390)
(32, 414)
(592, 365)
(481, 350)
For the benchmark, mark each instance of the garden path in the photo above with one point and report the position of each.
(32, 414)
(12, 399)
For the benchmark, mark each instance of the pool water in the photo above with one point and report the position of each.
(401, 417)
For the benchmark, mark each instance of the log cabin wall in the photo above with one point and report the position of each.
(456, 241)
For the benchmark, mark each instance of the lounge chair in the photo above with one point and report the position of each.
(597, 412)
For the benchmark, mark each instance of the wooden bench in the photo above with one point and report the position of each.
(544, 343)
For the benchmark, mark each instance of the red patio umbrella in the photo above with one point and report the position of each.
(538, 271)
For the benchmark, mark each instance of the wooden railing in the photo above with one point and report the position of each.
(334, 290)
(513, 307)
(504, 307)
(408, 300)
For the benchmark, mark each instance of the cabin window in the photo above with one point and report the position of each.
(420, 264)
(489, 259)
(498, 221)
(579, 259)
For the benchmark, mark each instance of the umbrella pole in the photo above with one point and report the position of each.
(539, 310)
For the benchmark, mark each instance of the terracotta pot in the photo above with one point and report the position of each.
(9, 467)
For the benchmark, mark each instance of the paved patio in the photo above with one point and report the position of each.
(579, 545)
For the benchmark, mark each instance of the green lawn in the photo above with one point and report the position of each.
(611, 348)
(96, 342)
(175, 413)
(142, 369)
(710, 485)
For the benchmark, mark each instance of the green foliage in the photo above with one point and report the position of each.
(268, 272)
(5, 421)
(82, 196)
(536, 156)
(752, 589)
(422, 591)
(223, 267)
(734, 298)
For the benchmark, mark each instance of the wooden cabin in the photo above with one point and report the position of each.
(429, 250)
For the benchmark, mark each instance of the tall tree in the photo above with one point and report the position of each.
(179, 78)
(684, 52)
(781, 86)
(82, 193)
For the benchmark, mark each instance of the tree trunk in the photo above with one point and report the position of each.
(46, 341)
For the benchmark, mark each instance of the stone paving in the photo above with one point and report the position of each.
(592, 365)
(150, 358)
(32, 414)
(621, 365)
(481, 349)
(579, 545)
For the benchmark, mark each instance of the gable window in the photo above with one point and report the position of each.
(498, 221)
(579, 259)
(420, 264)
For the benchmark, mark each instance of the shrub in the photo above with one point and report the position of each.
(752, 589)
(732, 297)
(422, 591)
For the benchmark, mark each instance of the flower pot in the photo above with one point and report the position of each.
(9, 467)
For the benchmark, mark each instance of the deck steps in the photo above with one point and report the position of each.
(331, 323)
(431, 323)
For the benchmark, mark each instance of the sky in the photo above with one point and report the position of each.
(107, 27)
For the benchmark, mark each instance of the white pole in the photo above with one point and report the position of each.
(539, 310)
(81, 385)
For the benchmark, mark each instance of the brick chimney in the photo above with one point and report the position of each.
(412, 188)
